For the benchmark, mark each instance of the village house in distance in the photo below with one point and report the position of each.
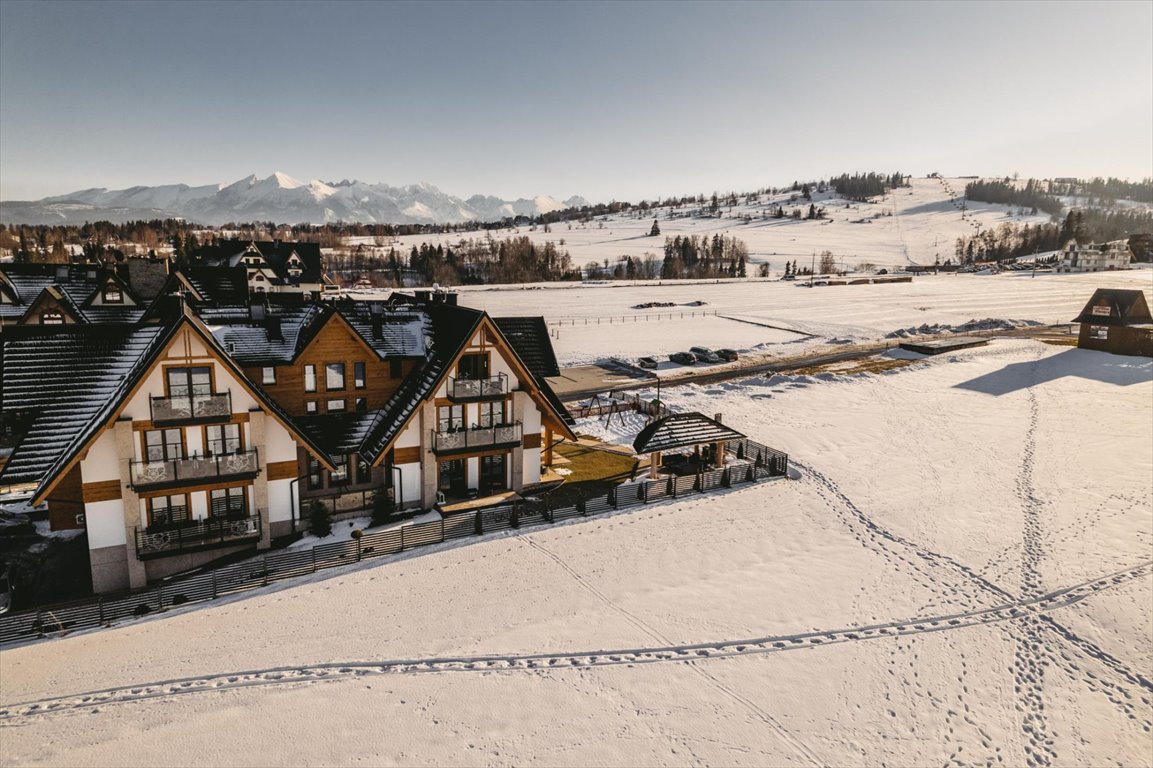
(203, 416)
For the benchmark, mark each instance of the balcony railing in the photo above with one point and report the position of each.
(194, 469)
(478, 389)
(192, 408)
(157, 541)
(476, 438)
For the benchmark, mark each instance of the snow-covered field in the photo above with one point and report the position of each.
(961, 571)
(914, 224)
(597, 321)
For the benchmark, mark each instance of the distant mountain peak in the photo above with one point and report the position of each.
(280, 198)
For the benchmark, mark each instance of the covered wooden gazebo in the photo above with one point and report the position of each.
(683, 430)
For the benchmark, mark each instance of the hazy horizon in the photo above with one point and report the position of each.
(622, 101)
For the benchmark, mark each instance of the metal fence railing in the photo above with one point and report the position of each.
(755, 463)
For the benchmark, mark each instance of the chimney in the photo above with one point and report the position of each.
(423, 297)
(377, 328)
(272, 329)
(717, 418)
(450, 299)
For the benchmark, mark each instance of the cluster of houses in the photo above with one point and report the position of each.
(180, 416)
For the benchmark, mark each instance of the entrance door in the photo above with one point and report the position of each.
(492, 474)
(451, 481)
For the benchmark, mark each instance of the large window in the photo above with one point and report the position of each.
(189, 382)
(473, 366)
(450, 418)
(491, 414)
(333, 376)
(310, 378)
(163, 445)
(339, 476)
(222, 439)
(228, 502)
(359, 380)
(167, 510)
(315, 474)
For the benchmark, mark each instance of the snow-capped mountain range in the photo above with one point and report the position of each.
(279, 198)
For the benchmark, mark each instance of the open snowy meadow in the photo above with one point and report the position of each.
(959, 571)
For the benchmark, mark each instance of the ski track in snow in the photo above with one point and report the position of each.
(1038, 606)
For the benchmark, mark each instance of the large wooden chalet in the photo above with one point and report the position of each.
(192, 428)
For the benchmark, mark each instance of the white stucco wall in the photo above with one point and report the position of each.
(410, 485)
(278, 443)
(102, 462)
(280, 501)
(105, 521)
(531, 466)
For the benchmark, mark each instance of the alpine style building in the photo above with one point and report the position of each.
(200, 416)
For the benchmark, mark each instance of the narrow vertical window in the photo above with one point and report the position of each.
(310, 378)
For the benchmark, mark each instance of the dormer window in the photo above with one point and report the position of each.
(112, 294)
(52, 317)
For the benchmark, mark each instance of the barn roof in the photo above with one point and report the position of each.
(1115, 306)
(682, 430)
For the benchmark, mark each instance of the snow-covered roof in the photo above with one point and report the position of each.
(68, 377)
(682, 430)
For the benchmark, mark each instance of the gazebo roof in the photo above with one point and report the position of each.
(682, 430)
(1115, 306)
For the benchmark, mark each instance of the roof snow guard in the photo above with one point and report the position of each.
(682, 430)
(1115, 306)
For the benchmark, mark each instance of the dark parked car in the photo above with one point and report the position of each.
(704, 354)
(728, 355)
(684, 358)
(647, 362)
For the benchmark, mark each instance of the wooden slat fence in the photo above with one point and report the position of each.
(760, 463)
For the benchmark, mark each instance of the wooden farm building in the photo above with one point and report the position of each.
(1116, 321)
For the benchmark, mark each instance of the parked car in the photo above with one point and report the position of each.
(704, 355)
(647, 362)
(684, 358)
(728, 355)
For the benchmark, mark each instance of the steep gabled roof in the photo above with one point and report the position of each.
(276, 254)
(682, 430)
(1115, 306)
(70, 377)
(390, 331)
(452, 328)
(93, 371)
(277, 339)
(529, 337)
(53, 293)
(219, 285)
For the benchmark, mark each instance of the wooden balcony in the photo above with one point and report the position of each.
(194, 470)
(476, 439)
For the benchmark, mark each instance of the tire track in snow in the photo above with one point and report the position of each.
(1007, 612)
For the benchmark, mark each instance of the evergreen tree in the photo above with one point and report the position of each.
(656, 229)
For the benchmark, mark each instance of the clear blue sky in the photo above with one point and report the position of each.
(605, 100)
